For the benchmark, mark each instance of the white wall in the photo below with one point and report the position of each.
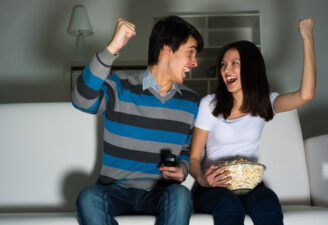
(36, 49)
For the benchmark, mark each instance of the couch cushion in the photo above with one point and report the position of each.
(298, 215)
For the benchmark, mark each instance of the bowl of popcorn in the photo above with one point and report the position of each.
(245, 175)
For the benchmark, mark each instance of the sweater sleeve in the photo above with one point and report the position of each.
(89, 94)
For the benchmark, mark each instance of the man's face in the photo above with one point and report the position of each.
(182, 60)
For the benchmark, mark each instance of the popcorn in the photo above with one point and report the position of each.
(245, 174)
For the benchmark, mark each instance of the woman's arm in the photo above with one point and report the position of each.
(306, 92)
(197, 148)
(213, 177)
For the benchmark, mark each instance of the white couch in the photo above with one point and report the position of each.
(49, 151)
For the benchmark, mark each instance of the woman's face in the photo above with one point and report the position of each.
(230, 70)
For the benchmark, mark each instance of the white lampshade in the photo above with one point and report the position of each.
(79, 23)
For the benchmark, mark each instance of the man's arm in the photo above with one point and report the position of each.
(123, 32)
(89, 94)
(179, 172)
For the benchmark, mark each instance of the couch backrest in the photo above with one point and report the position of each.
(316, 150)
(282, 151)
(49, 152)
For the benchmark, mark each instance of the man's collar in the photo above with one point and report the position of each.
(148, 81)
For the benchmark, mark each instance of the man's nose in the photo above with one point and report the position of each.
(194, 62)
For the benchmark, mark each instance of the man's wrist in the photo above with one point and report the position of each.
(106, 57)
(112, 50)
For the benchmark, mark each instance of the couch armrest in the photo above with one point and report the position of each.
(316, 149)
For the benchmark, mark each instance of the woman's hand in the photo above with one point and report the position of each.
(305, 27)
(215, 177)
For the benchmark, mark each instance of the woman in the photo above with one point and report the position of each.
(230, 124)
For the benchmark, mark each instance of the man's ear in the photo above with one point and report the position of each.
(167, 49)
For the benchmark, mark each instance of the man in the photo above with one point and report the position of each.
(145, 114)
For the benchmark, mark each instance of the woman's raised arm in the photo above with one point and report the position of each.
(306, 92)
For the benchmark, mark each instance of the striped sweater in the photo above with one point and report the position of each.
(138, 123)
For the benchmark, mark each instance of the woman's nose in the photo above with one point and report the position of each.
(226, 68)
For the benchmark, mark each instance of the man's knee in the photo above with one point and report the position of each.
(88, 197)
(179, 195)
(179, 191)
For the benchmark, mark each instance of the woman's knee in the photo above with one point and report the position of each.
(265, 208)
(228, 209)
(265, 198)
(217, 200)
(228, 202)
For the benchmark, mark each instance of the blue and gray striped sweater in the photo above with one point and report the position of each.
(138, 123)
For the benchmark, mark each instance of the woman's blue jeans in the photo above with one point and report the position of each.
(99, 204)
(261, 204)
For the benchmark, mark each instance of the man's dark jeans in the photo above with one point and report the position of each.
(99, 204)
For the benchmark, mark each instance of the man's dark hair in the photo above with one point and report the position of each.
(255, 86)
(171, 31)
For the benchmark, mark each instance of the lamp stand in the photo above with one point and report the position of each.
(79, 48)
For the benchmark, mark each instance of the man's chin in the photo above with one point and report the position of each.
(183, 77)
(179, 81)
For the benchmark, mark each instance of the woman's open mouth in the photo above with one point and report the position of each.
(231, 80)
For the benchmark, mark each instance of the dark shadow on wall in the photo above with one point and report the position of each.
(284, 43)
(28, 92)
(48, 53)
(55, 51)
(280, 41)
(57, 45)
(141, 14)
(314, 123)
(134, 11)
